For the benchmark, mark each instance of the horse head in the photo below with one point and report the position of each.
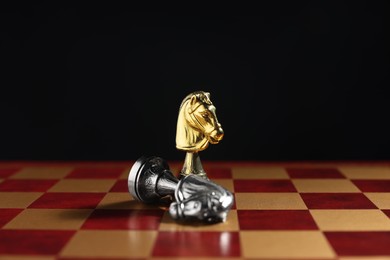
(197, 124)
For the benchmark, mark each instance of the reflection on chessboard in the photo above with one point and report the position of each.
(304, 211)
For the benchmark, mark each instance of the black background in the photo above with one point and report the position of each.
(290, 80)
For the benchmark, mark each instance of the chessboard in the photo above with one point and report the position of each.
(83, 210)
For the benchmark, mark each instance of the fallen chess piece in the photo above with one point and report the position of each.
(195, 197)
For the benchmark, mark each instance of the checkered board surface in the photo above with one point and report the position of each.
(297, 211)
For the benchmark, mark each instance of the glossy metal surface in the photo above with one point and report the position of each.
(200, 198)
(195, 197)
(150, 179)
(197, 126)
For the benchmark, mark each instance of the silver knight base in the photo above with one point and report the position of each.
(195, 197)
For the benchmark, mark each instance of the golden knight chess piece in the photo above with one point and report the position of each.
(197, 126)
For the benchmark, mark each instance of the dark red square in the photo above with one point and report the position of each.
(26, 185)
(124, 219)
(218, 173)
(6, 215)
(337, 201)
(387, 212)
(63, 200)
(360, 243)
(276, 220)
(314, 173)
(263, 186)
(5, 173)
(33, 242)
(120, 186)
(96, 173)
(373, 185)
(197, 244)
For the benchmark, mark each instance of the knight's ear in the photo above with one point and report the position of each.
(193, 100)
(207, 94)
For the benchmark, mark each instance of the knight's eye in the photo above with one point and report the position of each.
(205, 115)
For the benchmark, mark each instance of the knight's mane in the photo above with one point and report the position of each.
(200, 94)
(188, 97)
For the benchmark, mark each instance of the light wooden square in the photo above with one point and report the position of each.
(380, 199)
(366, 173)
(328, 185)
(259, 173)
(42, 173)
(351, 220)
(84, 185)
(63, 219)
(18, 199)
(285, 244)
(277, 200)
(226, 183)
(231, 224)
(110, 244)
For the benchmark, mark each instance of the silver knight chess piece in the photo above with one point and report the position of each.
(195, 197)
